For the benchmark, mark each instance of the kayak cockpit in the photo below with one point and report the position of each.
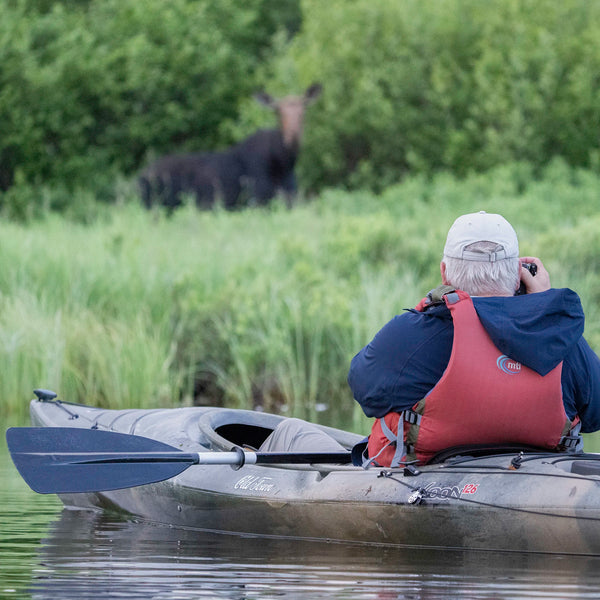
(243, 435)
(220, 429)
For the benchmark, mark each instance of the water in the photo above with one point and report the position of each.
(50, 553)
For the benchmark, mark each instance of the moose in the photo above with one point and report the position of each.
(261, 164)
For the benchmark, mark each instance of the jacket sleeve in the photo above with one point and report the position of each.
(401, 364)
(581, 386)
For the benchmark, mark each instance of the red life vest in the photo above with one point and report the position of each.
(483, 397)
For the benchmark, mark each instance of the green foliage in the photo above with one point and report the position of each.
(91, 89)
(459, 85)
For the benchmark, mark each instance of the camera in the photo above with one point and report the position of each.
(532, 268)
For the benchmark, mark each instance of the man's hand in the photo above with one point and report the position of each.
(541, 281)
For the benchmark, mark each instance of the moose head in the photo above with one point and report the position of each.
(290, 111)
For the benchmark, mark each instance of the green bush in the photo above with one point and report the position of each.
(92, 89)
(461, 85)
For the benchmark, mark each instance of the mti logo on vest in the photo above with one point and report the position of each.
(508, 365)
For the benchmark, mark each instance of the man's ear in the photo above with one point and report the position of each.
(443, 272)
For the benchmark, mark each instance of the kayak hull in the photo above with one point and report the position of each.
(544, 505)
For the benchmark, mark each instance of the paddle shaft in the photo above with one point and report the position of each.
(237, 457)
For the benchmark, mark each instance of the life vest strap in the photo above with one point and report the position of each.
(396, 439)
(434, 297)
(573, 441)
(412, 417)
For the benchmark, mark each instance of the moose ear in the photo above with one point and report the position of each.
(313, 92)
(265, 99)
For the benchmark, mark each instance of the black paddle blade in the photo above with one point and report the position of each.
(55, 460)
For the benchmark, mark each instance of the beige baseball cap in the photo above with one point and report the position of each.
(481, 227)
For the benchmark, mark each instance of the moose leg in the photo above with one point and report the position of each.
(290, 188)
(264, 189)
(170, 193)
(205, 196)
(231, 189)
(156, 188)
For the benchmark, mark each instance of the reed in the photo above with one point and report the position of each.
(262, 308)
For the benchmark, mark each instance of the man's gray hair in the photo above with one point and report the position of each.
(483, 278)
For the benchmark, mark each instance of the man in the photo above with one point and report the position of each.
(475, 364)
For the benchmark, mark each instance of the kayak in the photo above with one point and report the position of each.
(505, 499)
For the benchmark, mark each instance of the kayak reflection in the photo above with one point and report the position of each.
(98, 555)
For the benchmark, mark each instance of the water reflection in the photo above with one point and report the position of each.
(89, 555)
(24, 519)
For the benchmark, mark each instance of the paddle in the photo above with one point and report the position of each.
(57, 460)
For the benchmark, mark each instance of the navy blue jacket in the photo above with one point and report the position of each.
(408, 356)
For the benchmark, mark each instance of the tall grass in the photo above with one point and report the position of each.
(262, 308)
